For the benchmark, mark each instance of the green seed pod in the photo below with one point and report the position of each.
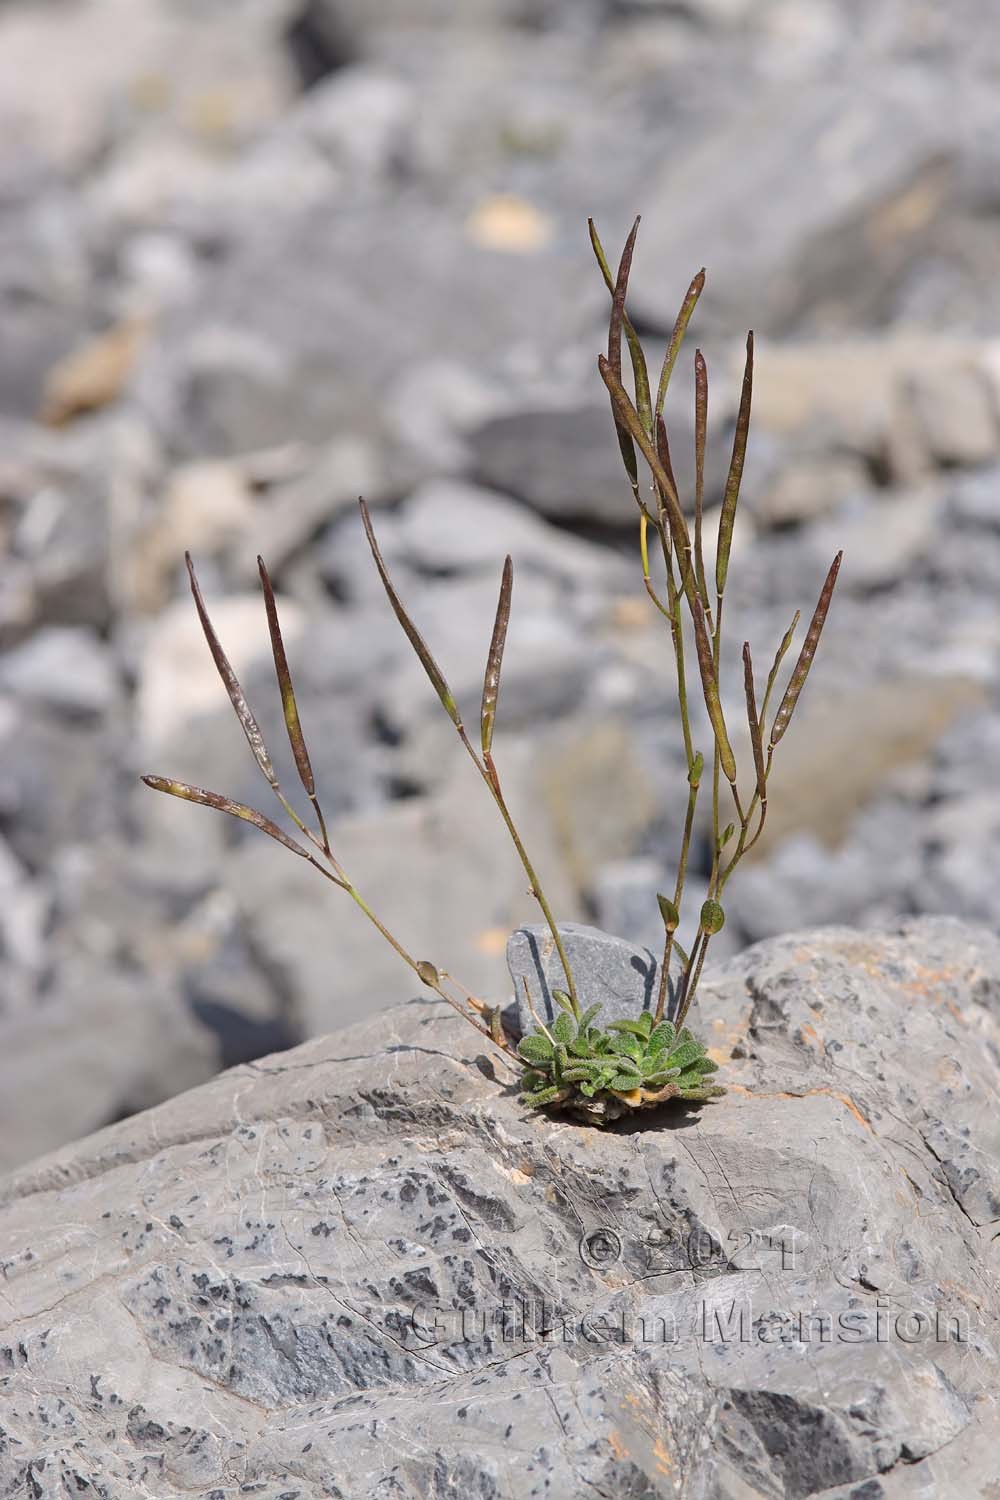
(669, 913)
(712, 917)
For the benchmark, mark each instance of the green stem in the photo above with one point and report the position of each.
(489, 773)
(692, 976)
(408, 958)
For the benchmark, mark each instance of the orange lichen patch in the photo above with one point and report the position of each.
(617, 1445)
(957, 1014)
(728, 1036)
(812, 1038)
(664, 1459)
(844, 1099)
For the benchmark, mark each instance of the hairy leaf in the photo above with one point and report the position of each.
(563, 1028)
(535, 1049)
(712, 917)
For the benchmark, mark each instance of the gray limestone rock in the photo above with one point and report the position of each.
(363, 1269)
(621, 976)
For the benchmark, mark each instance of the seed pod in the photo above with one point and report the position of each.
(237, 697)
(289, 707)
(416, 640)
(754, 725)
(734, 479)
(700, 437)
(710, 688)
(712, 918)
(227, 805)
(797, 680)
(494, 661)
(625, 442)
(428, 973)
(639, 370)
(687, 307)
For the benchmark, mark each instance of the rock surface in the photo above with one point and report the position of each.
(258, 258)
(361, 1269)
(619, 976)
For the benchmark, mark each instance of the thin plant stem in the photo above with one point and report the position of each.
(492, 780)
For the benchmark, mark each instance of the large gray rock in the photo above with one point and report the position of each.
(260, 1286)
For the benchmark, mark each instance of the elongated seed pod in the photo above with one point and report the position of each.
(754, 724)
(640, 370)
(700, 438)
(289, 707)
(663, 454)
(687, 307)
(710, 688)
(735, 477)
(237, 697)
(416, 640)
(801, 670)
(625, 441)
(629, 415)
(494, 661)
(226, 805)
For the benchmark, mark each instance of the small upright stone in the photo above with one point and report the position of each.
(619, 976)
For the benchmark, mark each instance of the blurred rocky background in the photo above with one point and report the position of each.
(259, 256)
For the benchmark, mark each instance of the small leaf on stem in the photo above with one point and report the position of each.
(669, 913)
(801, 670)
(428, 973)
(491, 682)
(712, 920)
